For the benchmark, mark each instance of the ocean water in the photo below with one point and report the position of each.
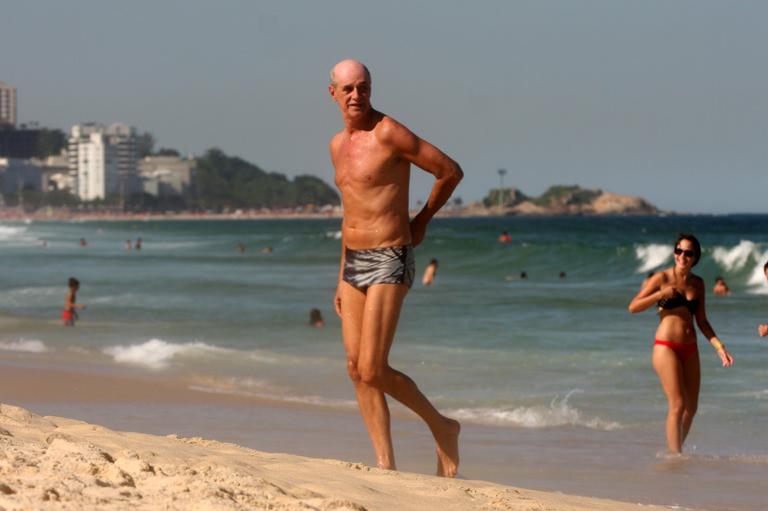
(546, 358)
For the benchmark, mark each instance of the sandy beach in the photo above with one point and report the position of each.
(61, 463)
(51, 462)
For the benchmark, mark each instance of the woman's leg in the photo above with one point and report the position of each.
(692, 383)
(670, 372)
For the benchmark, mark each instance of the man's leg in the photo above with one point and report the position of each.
(381, 313)
(372, 403)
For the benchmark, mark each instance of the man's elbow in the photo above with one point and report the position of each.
(456, 174)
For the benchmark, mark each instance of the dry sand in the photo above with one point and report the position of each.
(58, 463)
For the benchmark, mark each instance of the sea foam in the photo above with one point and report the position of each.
(757, 282)
(558, 413)
(24, 345)
(155, 353)
(744, 255)
(652, 256)
(7, 232)
(735, 258)
(263, 389)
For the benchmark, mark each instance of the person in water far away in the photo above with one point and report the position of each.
(763, 328)
(69, 314)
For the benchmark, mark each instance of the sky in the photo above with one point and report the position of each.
(667, 100)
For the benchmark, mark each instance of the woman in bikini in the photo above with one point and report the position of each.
(679, 296)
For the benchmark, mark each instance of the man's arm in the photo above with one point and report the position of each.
(337, 296)
(427, 157)
(332, 147)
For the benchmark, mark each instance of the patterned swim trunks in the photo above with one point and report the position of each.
(389, 265)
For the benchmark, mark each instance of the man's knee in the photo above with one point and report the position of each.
(371, 374)
(354, 374)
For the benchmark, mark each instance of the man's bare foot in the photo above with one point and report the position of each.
(448, 448)
(386, 465)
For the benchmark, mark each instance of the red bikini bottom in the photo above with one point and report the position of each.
(683, 350)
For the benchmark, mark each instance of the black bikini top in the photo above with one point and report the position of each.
(679, 300)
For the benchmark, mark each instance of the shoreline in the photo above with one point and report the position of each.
(79, 217)
(12, 215)
(54, 462)
(164, 405)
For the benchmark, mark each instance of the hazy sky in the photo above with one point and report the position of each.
(663, 99)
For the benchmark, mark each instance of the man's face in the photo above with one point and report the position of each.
(352, 91)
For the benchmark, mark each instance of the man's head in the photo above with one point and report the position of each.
(350, 87)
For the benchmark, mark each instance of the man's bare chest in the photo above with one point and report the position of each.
(365, 163)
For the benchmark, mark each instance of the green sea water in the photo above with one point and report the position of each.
(542, 354)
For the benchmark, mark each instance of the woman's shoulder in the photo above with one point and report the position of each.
(697, 281)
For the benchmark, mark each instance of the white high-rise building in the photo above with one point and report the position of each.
(7, 104)
(102, 160)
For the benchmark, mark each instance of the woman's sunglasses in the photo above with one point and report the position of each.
(686, 253)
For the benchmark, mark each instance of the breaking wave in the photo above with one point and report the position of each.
(652, 256)
(24, 345)
(155, 353)
(558, 413)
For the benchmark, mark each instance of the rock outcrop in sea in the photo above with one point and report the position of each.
(560, 200)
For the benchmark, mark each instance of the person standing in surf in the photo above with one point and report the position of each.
(69, 314)
(679, 296)
(372, 156)
(762, 329)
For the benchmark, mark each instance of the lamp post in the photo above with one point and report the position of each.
(502, 173)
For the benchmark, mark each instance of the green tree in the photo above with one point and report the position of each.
(145, 143)
(231, 182)
(166, 151)
(50, 142)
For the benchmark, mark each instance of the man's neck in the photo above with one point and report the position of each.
(364, 123)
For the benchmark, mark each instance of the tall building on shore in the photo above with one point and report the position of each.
(102, 160)
(7, 104)
(164, 176)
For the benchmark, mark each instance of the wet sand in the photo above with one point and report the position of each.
(50, 462)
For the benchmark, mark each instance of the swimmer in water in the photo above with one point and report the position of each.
(429, 273)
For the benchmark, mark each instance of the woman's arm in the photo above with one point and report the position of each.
(707, 330)
(651, 293)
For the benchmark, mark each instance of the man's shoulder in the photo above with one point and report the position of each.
(335, 141)
(391, 131)
(336, 138)
(388, 124)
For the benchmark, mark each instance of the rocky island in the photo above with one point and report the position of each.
(559, 200)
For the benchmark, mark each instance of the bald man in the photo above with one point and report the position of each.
(372, 156)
